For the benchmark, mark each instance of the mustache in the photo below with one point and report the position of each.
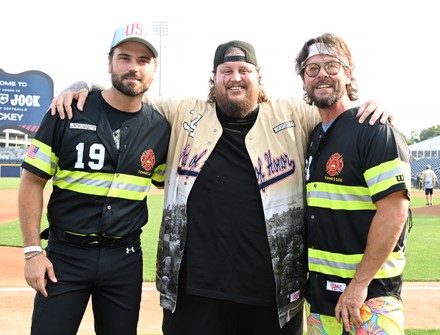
(242, 85)
(130, 76)
(324, 81)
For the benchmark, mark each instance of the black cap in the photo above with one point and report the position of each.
(250, 55)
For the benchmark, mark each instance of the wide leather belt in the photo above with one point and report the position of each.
(92, 240)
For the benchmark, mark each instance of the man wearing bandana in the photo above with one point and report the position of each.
(357, 191)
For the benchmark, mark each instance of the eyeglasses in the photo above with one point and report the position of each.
(332, 67)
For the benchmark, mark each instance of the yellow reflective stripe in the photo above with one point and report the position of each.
(159, 173)
(335, 196)
(117, 191)
(387, 174)
(103, 184)
(44, 159)
(345, 266)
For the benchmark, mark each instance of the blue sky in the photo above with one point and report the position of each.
(394, 44)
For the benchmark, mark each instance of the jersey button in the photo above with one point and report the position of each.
(109, 207)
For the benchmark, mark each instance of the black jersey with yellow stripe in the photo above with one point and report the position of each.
(350, 167)
(98, 187)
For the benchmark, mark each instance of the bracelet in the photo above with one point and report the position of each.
(28, 257)
(32, 248)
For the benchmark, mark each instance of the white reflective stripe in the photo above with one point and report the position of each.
(103, 183)
(338, 196)
(393, 266)
(383, 176)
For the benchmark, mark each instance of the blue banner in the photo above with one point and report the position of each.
(24, 100)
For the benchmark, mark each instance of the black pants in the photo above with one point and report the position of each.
(111, 276)
(201, 316)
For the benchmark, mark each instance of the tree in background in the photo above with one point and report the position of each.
(424, 135)
(428, 133)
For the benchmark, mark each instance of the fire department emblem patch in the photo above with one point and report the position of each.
(334, 164)
(148, 159)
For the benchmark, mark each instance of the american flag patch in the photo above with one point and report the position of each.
(32, 151)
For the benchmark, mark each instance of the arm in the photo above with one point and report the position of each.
(386, 227)
(62, 103)
(434, 178)
(30, 208)
(367, 108)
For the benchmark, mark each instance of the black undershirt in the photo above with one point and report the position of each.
(227, 252)
(116, 117)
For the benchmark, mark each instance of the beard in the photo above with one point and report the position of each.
(237, 109)
(132, 89)
(327, 101)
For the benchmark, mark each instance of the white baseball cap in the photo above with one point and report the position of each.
(136, 32)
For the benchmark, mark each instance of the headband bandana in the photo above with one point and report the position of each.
(322, 49)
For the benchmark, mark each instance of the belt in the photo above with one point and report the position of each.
(92, 240)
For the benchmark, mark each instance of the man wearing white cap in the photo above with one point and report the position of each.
(102, 163)
(357, 191)
(429, 180)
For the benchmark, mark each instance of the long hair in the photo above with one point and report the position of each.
(341, 50)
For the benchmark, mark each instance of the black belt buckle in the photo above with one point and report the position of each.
(92, 241)
(99, 241)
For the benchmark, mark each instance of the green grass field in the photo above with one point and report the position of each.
(10, 234)
(422, 241)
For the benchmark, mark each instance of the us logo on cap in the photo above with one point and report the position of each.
(136, 32)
